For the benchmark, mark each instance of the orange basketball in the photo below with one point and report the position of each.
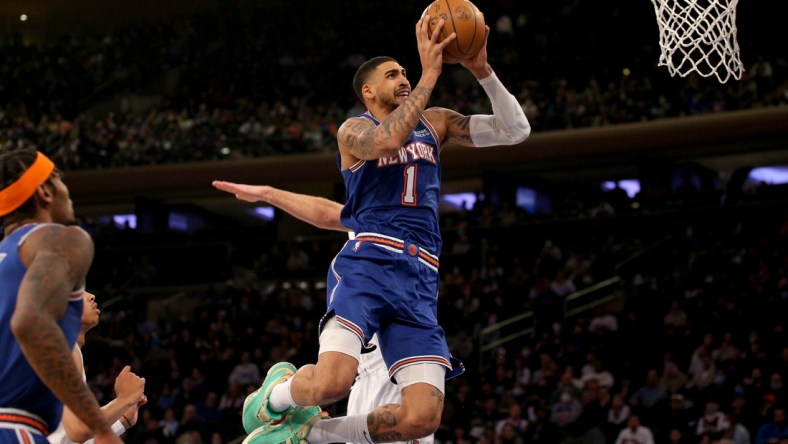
(462, 17)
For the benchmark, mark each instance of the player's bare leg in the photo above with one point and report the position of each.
(419, 415)
(325, 382)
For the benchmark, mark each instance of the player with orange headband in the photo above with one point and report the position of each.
(44, 258)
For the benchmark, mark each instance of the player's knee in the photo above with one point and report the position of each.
(333, 385)
(421, 419)
(330, 391)
(307, 370)
(422, 423)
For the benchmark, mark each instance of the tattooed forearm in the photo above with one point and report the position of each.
(403, 119)
(45, 348)
(367, 141)
(41, 301)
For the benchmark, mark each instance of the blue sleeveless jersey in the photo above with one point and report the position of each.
(20, 386)
(398, 196)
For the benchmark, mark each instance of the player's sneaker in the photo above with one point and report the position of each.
(256, 412)
(293, 429)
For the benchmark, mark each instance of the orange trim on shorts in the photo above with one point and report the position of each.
(392, 243)
(25, 438)
(380, 240)
(16, 194)
(19, 419)
(428, 258)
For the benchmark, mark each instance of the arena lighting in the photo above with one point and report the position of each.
(773, 175)
(534, 200)
(526, 199)
(631, 186)
(262, 213)
(122, 220)
(459, 201)
(178, 222)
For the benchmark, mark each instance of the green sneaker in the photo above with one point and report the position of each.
(256, 412)
(293, 429)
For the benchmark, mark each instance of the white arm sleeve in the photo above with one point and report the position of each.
(508, 124)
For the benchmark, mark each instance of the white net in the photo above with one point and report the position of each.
(700, 36)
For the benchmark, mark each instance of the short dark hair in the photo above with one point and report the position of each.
(13, 164)
(363, 72)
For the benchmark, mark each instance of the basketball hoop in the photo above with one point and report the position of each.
(700, 36)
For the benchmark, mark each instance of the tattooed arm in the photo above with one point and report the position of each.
(57, 260)
(364, 141)
(454, 125)
(507, 125)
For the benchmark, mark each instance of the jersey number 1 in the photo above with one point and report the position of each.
(409, 190)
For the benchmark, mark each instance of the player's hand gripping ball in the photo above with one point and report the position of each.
(463, 18)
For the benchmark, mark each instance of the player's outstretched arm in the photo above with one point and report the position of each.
(58, 259)
(129, 391)
(508, 124)
(318, 211)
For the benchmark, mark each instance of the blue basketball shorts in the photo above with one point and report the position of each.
(386, 285)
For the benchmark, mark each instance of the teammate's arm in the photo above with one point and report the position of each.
(508, 124)
(366, 141)
(318, 211)
(128, 388)
(58, 259)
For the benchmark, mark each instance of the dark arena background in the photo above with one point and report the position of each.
(628, 260)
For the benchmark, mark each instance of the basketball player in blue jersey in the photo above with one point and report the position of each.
(384, 281)
(44, 258)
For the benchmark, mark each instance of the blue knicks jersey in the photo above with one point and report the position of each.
(399, 195)
(20, 387)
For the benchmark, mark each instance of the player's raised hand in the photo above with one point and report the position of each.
(430, 49)
(129, 387)
(478, 63)
(249, 193)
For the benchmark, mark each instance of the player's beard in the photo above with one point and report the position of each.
(390, 102)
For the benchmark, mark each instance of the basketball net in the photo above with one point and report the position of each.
(700, 36)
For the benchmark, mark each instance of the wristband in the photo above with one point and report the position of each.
(118, 428)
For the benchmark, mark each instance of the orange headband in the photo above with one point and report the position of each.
(14, 195)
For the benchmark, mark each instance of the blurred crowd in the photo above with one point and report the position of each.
(693, 351)
(228, 85)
